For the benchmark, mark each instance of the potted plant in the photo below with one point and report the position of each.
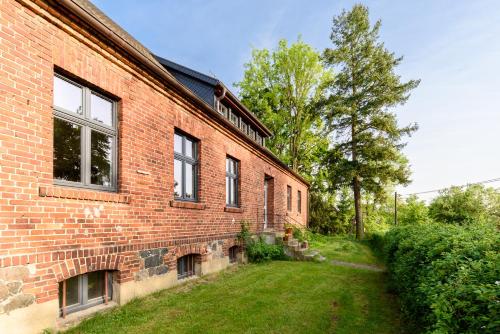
(304, 244)
(288, 229)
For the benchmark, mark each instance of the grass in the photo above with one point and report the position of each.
(344, 249)
(275, 297)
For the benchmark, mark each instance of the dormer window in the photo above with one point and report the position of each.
(258, 138)
(251, 132)
(243, 126)
(240, 122)
(222, 109)
(233, 118)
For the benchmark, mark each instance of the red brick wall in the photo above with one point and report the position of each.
(61, 231)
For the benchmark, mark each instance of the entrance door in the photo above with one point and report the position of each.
(265, 203)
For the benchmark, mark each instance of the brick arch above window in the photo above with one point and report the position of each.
(198, 249)
(73, 267)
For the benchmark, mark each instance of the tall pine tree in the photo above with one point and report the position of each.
(368, 141)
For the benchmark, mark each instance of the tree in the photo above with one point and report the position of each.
(474, 204)
(367, 151)
(282, 87)
(413, 211)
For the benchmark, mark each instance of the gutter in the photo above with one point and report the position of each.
(159, 70)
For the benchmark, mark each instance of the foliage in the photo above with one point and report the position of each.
(260, 251)
(464, 206)
(331, 213)
(447, 276)
(281, 87)
(367, 152)
(244, 233)
(413, 211)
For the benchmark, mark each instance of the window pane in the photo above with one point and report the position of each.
(72, 290)
(95, 284)
(67, 151)
(178, 143)
(189, 148)
(189, 181)
(228, 164)
(101, 110)
(228, 194)
(234, 195)
(67, 96)
(177, 178)
(100, 159)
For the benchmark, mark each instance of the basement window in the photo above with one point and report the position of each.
(83, 291)
(233, 254)
(186, 266)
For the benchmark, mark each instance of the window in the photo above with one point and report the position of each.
(85, 137)
(289, 198)
(243, 126)
(185, 266)
(258, 138)
(299, 201)
(231, 182)
(233, 118)
(251, 132)
(233, 254)
(222, 109)
(185, 167)
(84, 291)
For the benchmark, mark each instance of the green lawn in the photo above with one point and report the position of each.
(275, 297)
(344, 249)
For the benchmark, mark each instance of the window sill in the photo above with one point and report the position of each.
(76, 317)
(82, 194)
(187, 205)
(233, 209)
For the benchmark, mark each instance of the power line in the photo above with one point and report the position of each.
(465, 185)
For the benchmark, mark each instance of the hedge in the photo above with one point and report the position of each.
(447, 276)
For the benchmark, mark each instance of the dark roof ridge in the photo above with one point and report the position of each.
(187, 70)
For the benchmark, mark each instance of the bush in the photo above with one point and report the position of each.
(260, 251)
(447, 276)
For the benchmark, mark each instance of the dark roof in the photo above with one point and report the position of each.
(201, 84)
(195, 74)
(204, 86)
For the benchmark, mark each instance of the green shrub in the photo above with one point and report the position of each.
(259, 251)
(447, 276)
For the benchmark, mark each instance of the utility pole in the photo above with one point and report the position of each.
(395, 208)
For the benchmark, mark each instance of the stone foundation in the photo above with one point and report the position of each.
(12, 296)
(20, 313)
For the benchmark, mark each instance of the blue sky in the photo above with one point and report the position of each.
(452, 46)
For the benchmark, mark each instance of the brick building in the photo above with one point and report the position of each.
(121, 173)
